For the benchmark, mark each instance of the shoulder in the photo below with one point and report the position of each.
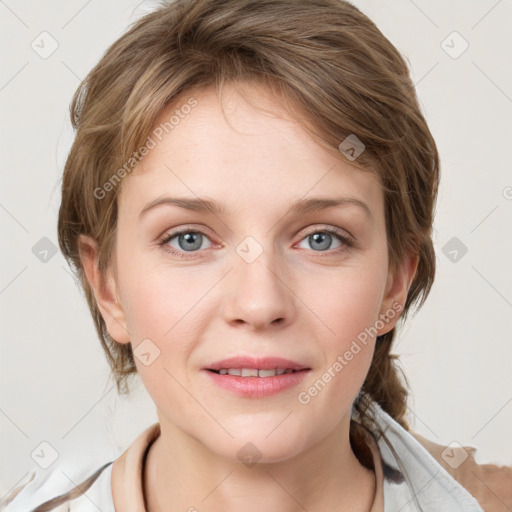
(490, 484)
(62, 489)
(414, 479)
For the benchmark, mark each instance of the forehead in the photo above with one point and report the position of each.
(243, 148)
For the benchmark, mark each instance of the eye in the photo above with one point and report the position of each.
(187, 241)
(321, 239)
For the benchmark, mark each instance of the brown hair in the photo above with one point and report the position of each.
(333, 69)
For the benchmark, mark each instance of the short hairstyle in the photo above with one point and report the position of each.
(333, 70)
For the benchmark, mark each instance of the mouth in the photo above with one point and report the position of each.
(255, 366)
(255, 372)
(256, 377)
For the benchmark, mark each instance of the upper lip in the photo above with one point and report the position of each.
(260, 363)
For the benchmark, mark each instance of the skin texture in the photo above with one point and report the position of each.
(299, 299)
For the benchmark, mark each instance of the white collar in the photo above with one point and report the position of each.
(423, 484)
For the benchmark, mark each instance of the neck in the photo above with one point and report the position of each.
(183, 474)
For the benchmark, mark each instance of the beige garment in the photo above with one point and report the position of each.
(491, 485)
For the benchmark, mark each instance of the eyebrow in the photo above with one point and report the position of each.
(314, 204)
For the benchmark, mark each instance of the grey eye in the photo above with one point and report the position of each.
(321, 240)
(188, 241)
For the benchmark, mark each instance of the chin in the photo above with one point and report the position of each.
(257, 443)
(260, 451)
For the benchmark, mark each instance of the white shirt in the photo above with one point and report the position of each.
(423, 486)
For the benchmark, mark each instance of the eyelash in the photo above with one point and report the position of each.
(344, 239)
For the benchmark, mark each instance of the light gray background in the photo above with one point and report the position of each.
(457, 351)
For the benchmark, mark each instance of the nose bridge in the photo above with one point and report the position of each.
(260, 293)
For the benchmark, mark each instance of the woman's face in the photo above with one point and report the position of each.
(263, 274)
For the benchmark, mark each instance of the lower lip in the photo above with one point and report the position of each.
(258, 387)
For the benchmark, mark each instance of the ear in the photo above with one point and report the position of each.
(397, 288)
(105, 290)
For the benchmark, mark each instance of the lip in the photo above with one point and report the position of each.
(261, 363)
(257, 387)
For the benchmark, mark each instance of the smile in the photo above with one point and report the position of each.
(256, 383)
(253, 372)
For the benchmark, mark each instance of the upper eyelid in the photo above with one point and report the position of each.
(168, 234)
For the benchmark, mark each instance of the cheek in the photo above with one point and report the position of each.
(346, 303)
(165, 306)
(161, 318)
(346, 308)
(158, 301)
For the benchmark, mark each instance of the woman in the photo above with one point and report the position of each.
(248, 204)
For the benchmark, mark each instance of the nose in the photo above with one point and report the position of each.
(259, 293)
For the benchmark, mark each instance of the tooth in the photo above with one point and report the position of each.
(254, 372)
(267, 373)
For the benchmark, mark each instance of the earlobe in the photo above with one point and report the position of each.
(397, 289)
(105, 290)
